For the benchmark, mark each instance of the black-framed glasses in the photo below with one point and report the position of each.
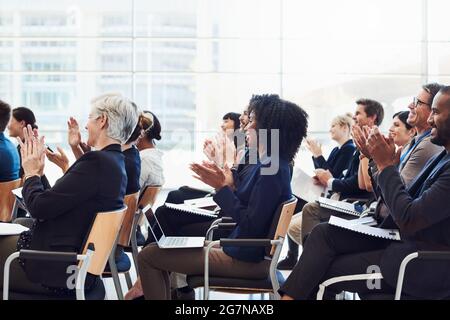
(417, 101)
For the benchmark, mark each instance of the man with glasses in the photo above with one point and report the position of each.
(420, 149)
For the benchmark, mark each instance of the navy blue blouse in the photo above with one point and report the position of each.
(338, 160)
(253, 204)
(133, 169)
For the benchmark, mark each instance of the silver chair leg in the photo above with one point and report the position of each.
(128, 279)
(134, 246)
(115, 275)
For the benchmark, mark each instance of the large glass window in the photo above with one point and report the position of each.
(191, 61)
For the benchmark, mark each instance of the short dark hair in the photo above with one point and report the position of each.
(5, 115)
(233, 116)
(432, 88)
(445, 90)
(25, 114)
(403, 116)
(372, 108)
(271, 112)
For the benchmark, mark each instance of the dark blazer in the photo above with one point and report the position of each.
(64, 213)
(133, 169)
(347, 184)
(338, 160)
(422, 214)
(252, 206)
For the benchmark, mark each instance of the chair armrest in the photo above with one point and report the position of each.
(70, 257)
(423, 255)
(224, 242)
(433, 255)
(225, 221)
(353, 277)
(226, 226)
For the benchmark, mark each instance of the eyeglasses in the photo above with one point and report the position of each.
(417, 101)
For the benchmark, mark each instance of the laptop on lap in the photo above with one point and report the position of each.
(173, 242)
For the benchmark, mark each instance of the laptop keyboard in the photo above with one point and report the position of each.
(176, 242)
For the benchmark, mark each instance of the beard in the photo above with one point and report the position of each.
(442, 136)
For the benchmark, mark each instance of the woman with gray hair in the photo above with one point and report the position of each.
(64, 213)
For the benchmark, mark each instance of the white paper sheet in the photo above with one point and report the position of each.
(303, 186)
(11, 229)
(361, 226)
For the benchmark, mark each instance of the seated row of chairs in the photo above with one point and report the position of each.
(120, 226)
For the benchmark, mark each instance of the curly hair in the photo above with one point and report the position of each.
(271, 112)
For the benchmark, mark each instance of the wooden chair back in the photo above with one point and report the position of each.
(7, 199)
(285, 211)
(103, 235)
(149, 196)
(131, 201)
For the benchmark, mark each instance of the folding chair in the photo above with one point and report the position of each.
(420, 255)
(93, 258)
(145, 204)
(271, 283)
(123, 240)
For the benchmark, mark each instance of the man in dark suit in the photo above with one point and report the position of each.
(421, 212)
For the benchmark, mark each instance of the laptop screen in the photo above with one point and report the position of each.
(156, 228)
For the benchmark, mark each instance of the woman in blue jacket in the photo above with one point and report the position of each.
(252, 204)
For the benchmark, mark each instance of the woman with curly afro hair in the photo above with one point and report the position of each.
(275, 130)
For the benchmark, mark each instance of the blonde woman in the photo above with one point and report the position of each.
(337, 162)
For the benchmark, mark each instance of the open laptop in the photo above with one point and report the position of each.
(173, 242)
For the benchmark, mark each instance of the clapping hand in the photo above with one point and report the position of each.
(383, 150)
(84, 146)
(32, 151)
(59, 158)
(314, 146)
(360, 136)
(74, 132)
(322, 176)
(220, 150)
(209, 150)
(226, 149)
(212, 175)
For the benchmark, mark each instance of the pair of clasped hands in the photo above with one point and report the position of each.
(371, 144)
(221, 153)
